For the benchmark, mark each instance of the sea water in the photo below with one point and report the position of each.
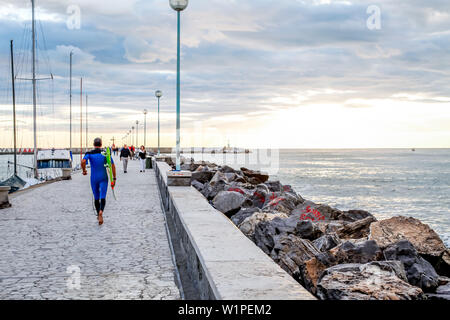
(385, 182)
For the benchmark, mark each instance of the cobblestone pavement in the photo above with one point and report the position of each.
(51, 235)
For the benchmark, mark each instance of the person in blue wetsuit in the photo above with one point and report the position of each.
(99, 176)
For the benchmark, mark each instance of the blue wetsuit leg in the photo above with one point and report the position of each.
(103, 188)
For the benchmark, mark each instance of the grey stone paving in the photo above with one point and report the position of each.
(51, 234)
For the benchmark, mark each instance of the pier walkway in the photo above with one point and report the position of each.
(53, 248)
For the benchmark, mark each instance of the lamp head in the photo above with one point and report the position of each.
(145, 111)
(158, 94)
(178, 5)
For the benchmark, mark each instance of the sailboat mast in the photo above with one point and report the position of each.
(70, 93)
(14, 107)
(81, 119)
(34, 89)
(87, 130)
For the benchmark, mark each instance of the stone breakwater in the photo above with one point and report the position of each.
(337, 255)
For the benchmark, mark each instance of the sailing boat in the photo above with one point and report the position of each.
(15, 182)
(47, 164)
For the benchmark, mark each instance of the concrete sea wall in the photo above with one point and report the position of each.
(216, 260)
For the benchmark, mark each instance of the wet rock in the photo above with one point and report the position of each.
(274, 186)
(203, 176)
(420, 272)
(290, 252)
(227, 169)
(313, 268)
(243, 214)
(424, 239)
(443, 280)
(249, 224)
(327, 242)
(230, 176)
(259, 196)
(197, 185)
(325, 211)
(307, 230)
(357, 229)
(392, 265)
(355, 215)
(369, 281)
(362, 252)
(211, 191)
(255, 177)
(228, 202)
(442, 293)
(218, 177)
(279, 203)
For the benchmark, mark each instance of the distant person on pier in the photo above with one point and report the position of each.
(125, 153)
(99, 176)
(142, 158)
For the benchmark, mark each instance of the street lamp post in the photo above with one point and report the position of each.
(178, 6)
(137, 133)
(132, 136)
(145, 128)
(158, 94)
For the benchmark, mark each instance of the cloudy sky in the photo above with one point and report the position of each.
(256, 73)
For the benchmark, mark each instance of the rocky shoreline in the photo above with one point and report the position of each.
(336, 255)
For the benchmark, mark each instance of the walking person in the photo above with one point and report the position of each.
(99, 176)
(125, 153)
(142, 157)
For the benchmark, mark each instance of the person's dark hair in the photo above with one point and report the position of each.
(97, 142)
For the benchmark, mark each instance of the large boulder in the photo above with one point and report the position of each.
(197, 185)
(255, 177)
(211, 191)
(360, 252)
(371, 281)
(327, 242)
(420, 272)
(248, 225)
(203, 176)
(228, 202)
(442, 293)
(243, 214)
(355, 215)
(315, 210)
(227, 169)
(279, 203)
(424, 239)
(274, 186)
(348, 252)
(291, 252)
(355, 230)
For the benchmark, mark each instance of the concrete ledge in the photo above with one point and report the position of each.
(179, 178)
(221, 262)
(4, 200)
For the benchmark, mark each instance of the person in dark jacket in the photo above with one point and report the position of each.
(142, 157)
(125, 153)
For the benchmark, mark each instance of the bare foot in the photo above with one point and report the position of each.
(100, 218)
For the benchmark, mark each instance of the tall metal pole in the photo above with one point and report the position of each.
(145, 128)
(14, 107)
(178, 161)
(159, 153)
(34, 90)
(70, 94)
(87, 130)
(81, 119)
(137, 133)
